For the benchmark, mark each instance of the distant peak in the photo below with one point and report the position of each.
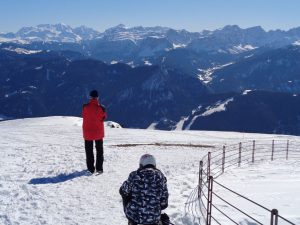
(116, 28)
(54, 25)
(231, 27)
(83, 26)
(256, 28)
(61, 24)
(236, 28)
(122, 26)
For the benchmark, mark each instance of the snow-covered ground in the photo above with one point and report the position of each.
(42, 179)
(275, 185)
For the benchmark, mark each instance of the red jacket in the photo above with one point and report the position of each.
(93, 115)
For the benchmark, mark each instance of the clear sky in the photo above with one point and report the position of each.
(192, 15)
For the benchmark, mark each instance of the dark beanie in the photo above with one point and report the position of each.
(94, 94)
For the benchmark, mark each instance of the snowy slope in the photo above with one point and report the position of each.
(42, 178)
(275, 185)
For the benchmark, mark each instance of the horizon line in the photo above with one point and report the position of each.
(135, 26)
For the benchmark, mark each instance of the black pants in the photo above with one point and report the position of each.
(90, 155)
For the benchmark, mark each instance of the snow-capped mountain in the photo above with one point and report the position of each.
(121, 32)
(220, 39)
(159, 73)
(135, 45)
(177, 37)
(230, 36)
(56, 32)
(233, 39)
(86, 33)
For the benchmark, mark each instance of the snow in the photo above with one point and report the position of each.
(112, 124)
(188, 127)
(179, 125)
(39, 68)
(22, 51)
(178, 46)
(12, 40)
(2, 39)
(273, 184)
(42, 179)
(297, 43)
(221, 51)
(131, 64)
(113, 62)
(134, 34)
(147, 63)
(25, 92)
(246, 92)
(156, 37)
(219, 107)
(249, 56)
(152, 126)
(10, 94)
(240, 49)
(206, 75)
(33, 38)
(49, 33)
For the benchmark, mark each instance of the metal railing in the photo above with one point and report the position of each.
(201, 203)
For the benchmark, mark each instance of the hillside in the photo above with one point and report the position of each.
(42, 177)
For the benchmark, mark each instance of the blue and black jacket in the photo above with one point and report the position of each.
(145, 194)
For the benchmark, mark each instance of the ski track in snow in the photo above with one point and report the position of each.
(42, 161)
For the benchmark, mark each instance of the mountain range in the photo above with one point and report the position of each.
(228, 35)
(157, 77)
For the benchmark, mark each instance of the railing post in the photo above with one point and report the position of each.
(253, 150)
(240, 153)
(272, 156)
(209, 200)
(200, 179)
(223, 160)
(208, 164)
(287, 150)
(274, 217)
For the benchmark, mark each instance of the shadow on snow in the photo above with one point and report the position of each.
(59, 178)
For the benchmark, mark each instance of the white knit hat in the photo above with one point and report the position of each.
(147, 159)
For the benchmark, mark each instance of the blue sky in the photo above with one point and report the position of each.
(193, 15)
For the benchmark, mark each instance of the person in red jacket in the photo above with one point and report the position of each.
(93, 114)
